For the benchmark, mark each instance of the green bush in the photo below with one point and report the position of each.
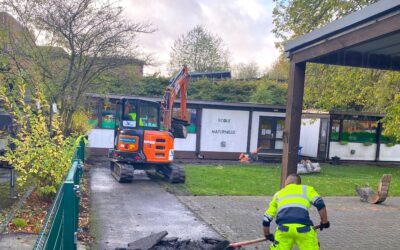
(19, 222)
(343, 142)
(390, 144)
(42, 154)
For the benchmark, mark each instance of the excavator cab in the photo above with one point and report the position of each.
(138, 114)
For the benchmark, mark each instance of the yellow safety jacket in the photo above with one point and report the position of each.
(291, 204)
(133, 116)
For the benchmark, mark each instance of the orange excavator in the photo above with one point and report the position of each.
(145, 131)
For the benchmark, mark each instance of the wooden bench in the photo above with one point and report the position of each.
(380, 196)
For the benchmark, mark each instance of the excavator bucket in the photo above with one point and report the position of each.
(179, 128)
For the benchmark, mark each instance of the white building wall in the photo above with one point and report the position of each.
(187, 144)
(362, 153)
(389, 153)
(104, 138)
(255, 122)
(309, 136)
(101, 138)
(224, 130)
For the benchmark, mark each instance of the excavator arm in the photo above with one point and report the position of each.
(177, 84)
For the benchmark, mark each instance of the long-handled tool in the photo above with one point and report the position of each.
(226, 246)
(249, 242)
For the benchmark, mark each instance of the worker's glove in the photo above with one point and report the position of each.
(324, 225)
(270, 237)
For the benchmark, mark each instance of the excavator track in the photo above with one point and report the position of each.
(173, 173)
(122, 172)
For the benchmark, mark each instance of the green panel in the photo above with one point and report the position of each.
(108, 124)
(334, 136)
(93, 122)
(192, 128)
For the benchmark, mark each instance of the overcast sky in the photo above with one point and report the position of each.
(244, 26)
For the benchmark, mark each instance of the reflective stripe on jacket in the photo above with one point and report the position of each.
(291, 205)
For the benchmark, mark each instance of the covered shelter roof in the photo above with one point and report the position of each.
(369, 38)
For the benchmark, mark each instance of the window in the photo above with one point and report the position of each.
(129, 116)
(335, 130)
(149, 115)
(93, 110)
(359, 131)
(108, 114)
(191, 116)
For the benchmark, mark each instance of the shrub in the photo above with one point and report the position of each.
(390, 144)
(80, 124)
(42, 154)
(19, 222)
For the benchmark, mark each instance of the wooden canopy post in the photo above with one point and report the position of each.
(294, 107)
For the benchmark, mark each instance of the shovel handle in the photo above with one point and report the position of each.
(249, 242)
(245, 243)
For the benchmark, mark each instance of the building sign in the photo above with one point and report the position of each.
(224, 130)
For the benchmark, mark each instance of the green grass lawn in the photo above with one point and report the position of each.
(264, 179)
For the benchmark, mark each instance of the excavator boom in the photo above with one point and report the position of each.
(177, 84)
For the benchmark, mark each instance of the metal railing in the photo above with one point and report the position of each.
(60, 228)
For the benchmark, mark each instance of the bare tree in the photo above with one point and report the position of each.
(246, 71)
(199, 49)
(85, 38)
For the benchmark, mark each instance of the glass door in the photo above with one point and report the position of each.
(270, 134)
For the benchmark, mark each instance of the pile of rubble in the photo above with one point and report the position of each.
(307, 167)
(159, 242)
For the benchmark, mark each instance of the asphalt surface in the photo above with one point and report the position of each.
(123, 213)
(17, 241)
(354, 224)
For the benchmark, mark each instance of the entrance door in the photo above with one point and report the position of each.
(270, 134)
(323, 139)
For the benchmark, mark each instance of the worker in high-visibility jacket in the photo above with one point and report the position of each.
(290, 206)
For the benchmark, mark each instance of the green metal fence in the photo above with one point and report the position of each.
(60, 228)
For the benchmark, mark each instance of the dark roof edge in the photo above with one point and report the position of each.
(362, 16)
(198, 102)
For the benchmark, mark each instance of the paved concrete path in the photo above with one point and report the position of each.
(354, 225)
(17, 241)
(123, 213)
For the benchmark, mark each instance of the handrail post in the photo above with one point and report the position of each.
(69, 240)
(82, 149)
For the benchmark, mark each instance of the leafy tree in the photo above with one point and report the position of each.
(293, 18)
(229, 90)
(85, 38)
(247, 71)
(270, 92)
(392, 119)
(279, 70)
(201, 50)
